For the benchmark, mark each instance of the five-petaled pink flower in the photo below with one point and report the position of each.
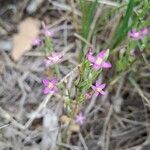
(47, 32)
(99, 61)
(136, 35)
(36, 42)
(50, 85)
(80, 118)
(98, 88)
(54, 58)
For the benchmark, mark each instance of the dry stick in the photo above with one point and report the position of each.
(46, 100)
(105, 127)
(138, 89)
(64, 7)
(106, 145)
(108, 137)
(66, 146)
(75, 17)
(83, 141)
(41, 54)
(109, 3)
(83, 39)
(92, 103)
(60, 20)
(4, 126)
(41, 106)
(10, 118)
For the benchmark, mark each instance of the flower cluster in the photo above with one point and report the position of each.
(137, 35)
(97, 62)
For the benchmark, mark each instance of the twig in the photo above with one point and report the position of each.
(4, 126)
(9, 118)
(65, 7)
(41, 106)
(105, 127)
(139, 90)
(83, 39)
(109, 3)
(83, 141)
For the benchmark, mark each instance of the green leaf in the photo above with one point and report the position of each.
(124, 26)
(88, 10)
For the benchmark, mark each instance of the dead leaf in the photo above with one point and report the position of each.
(66, 120)
(28, 30)
(73, 127)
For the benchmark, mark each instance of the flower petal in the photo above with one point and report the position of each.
(90, 57)
(102, 86)
(105, 64)
(47, 32)
(101, 54)
(54, 80)
(97, 83)
(46, 82)
(48, 62)
(46, 90)
(96, 94)
(94, 87)
(103, 92)
(55, 89)
(96, 67)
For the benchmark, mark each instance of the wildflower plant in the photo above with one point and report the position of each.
(90, 68)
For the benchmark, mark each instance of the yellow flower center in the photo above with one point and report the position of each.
(50, 85)
(99, 89)
(98, 61)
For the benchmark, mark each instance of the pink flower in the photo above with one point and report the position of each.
(135, 35)
(98, 88)
(36, 42)
(54, 58)
(50, 85)
(98, 61)
(145, 31)
(47, 32)
(80, 118)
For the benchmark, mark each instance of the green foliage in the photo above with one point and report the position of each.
(48, 45)
(88, 10)
(124, 61)
(124, 26)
